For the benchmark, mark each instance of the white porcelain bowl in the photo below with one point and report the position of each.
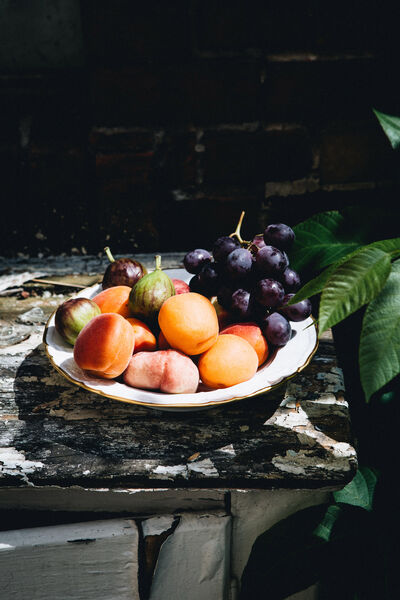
(285, 363)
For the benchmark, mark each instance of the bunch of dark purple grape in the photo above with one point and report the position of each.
(252, 280)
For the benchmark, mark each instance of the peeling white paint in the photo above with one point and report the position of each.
(14, 463)
(171, 471)
(228, 449)
(205, 467)
(23, 348)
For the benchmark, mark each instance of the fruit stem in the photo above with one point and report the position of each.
(109, 255)
(237, 230)
(158, 262)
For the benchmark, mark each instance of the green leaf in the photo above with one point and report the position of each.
(320, 241)
(324, 529)
(379, 353)
(316, 285)
(354, 283)
(360, 490)
(391, 127)
(392, 246)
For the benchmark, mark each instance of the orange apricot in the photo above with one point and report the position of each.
(114, 300)
(144, 337)
(105, 345)
(229, 361)
(252, 334)
(162, 342)
(189, 323)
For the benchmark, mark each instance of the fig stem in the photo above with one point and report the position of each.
(109, 255)
(237, 230)
(158, 262)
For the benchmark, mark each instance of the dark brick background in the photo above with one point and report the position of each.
(151, 126)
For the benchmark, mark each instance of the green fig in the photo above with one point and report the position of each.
(72, 316)
(149, 293)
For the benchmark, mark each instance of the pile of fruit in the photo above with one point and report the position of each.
(158, 333)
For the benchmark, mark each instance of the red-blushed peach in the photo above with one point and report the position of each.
(252, 333)
(181, 287)
(104, 346)
(224, 317)
(170, 371)
(229, 361)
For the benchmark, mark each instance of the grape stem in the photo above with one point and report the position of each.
(237, 230)
(109, 255)
(158, 262)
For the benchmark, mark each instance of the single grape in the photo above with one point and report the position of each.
(279, 235)
(258, 240)
(296, 312)
(290, 280)
(241, 305)
(195, 259)
(224, 295)
(239, 263)
(194, 284)
(269, 293)
(208, 279)
(276, 329)
(223, 246)
(271, 261)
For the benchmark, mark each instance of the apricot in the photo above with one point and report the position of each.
(104, 346)
(114, 300)
(252, 333)
(167, 370)
(189, 323)
(162, 342)
(144, 337)
(229, 361)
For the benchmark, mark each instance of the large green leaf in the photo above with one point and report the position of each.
(391, 127)
(354, 283)
(379, 354)
(360, 490)
(316, 285)
(320, 241)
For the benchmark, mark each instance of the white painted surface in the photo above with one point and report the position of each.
(84, 561)
(255, 511)
(194, 561)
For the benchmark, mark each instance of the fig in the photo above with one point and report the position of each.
(72, 316)
(149, 293)
(123, 271)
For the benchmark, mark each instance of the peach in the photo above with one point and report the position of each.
(104, 346)
(189, 323)
(252, 334)
(167, 370)
(144, 337)
(181, 287)
(114, 300)
(229, 361)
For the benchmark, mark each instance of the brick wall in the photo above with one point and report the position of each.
(155, 124)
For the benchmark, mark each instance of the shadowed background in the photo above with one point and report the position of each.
(151, 126)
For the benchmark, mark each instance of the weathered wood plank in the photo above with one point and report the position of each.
(96, 560)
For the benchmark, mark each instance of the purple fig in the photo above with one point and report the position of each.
(123, 271)
(72, 315)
